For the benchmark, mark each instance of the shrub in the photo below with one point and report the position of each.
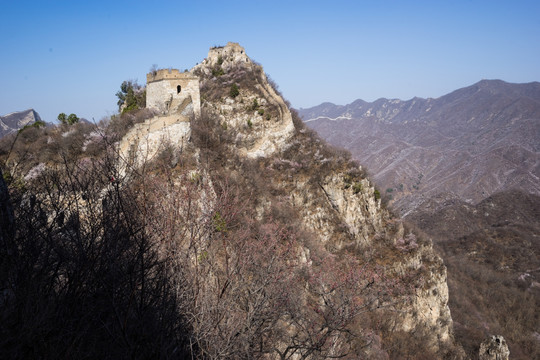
(72, 119)
(131, 96)
(220, 225)
(357, 187)
(68, 120)
(208, 135)
(234, 92)
(218, 71)
(62, 117)
(254, 105)
(38, 124)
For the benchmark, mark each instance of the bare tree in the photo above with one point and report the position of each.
(83, 279)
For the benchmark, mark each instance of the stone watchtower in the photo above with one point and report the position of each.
(169, 91)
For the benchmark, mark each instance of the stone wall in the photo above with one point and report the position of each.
(167, 89)
(144, 140)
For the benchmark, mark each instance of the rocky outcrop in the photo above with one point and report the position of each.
(232, 53)
(346, 214)
(338, 205)
(258, 115)
(494, 348)
(14, 121)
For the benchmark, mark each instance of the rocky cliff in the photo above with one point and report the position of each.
(329, 196)
(258, 116)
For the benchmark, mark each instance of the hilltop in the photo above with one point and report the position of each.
(211, 224)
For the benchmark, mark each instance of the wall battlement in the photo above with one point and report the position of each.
(168, 74)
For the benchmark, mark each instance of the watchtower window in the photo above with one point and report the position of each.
(178, 89)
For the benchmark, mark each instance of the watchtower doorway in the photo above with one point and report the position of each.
(178, 89)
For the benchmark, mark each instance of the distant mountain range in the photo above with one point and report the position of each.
(465, 169)
(468, 144)
(14, 121)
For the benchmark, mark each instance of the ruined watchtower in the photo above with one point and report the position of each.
(169, 91)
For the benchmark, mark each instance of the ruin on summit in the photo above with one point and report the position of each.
(170, 91)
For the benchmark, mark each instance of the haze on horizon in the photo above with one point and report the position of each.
(66, 56)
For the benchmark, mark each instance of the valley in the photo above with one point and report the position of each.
(465, 170)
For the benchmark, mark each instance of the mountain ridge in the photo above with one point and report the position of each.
(487, 124)
(273, 243)
(15, 120)
(494, 85)
(465, 169)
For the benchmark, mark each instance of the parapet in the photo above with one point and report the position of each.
(168, 74)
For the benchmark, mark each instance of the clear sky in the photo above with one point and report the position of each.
(72, 56)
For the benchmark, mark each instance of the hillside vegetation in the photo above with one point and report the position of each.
(492, 250)
(254, 240)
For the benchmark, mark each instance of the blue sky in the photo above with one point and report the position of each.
(72, 56)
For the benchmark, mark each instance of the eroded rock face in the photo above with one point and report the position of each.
(232, 52)
(366, 225)
(358, 211)
(258, 115)
(494, 348)
(341, 208)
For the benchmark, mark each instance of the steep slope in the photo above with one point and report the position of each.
(260, 118)
(14, 121)
(331, 196)
(492, 250)
(472, 142)
(251, 239)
